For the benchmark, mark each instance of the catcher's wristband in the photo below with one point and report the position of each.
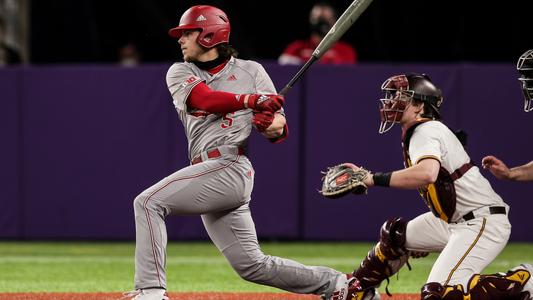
(382, 179)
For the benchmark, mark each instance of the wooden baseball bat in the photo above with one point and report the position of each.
(350, 15)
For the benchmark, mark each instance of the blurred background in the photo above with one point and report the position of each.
(88, 31)
(87, 122)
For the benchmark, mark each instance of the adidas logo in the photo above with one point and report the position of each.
(232, 78)
(201, 18)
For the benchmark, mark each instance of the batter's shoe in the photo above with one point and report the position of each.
(146, 294)
(527, 290)
(350, 289)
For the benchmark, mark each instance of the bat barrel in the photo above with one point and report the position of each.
(346, 20)
(350, 15)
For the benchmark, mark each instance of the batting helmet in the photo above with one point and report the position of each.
(400, 90)
(525, 68)
(211, 21)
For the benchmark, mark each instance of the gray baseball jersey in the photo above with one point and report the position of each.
(206, 131)
(466, 246)
(218, 188)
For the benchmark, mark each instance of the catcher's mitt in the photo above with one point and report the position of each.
(343, 179)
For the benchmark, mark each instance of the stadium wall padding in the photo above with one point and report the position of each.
(80, 142)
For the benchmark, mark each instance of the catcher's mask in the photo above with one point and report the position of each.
(525, 68)
(400, 90)
(211, 21)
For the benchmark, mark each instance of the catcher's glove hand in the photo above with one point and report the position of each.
(341, 179)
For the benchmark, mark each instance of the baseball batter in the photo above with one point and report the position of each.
(467, 223)
(493, 164)
(218, 97)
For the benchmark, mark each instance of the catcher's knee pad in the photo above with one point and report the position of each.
(481, 287)
(387, 257)
(392, 238)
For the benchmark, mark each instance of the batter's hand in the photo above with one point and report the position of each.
(262, 120)
(260, 102)
(496, 167)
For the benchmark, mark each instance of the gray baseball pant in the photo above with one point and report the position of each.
(219, 190)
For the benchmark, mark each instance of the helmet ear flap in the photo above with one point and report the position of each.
(207, 38)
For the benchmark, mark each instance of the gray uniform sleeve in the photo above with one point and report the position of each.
(264, 84)
(180, 82)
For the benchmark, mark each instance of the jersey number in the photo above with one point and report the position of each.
(227, 121)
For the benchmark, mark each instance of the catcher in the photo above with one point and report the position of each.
(467, 223)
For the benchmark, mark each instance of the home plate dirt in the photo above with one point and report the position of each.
(181, 296)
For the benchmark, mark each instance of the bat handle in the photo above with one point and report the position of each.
(302, 70)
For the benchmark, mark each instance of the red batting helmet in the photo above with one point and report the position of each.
(211, 21)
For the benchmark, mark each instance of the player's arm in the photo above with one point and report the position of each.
(273, 126)
(219, 102)
(277, 128)
(419, 175)
(501, 171)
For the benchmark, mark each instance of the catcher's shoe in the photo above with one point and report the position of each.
(146, 294)
(350, 289)
(528, 285)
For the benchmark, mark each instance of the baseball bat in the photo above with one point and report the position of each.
(350, 15)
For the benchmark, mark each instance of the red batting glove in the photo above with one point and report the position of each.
(262, 102)
(263, 120)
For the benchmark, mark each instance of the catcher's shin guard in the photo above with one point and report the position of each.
(500, 286)
(387, 257)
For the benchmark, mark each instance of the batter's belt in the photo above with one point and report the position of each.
(217, 152)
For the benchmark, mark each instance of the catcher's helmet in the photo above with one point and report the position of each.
(400, 90)
(525, 68)
(211, 21)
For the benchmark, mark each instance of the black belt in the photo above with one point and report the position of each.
(494, 210)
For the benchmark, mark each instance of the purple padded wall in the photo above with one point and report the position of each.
(80, 142)
(94, 137)
(10, 202)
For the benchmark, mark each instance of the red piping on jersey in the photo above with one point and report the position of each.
(217, 102)
(154, 252)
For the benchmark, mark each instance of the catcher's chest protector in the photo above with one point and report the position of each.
(439, 196)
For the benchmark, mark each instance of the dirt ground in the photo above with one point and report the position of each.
(180, 296)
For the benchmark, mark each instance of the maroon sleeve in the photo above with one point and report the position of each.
(218, 102)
